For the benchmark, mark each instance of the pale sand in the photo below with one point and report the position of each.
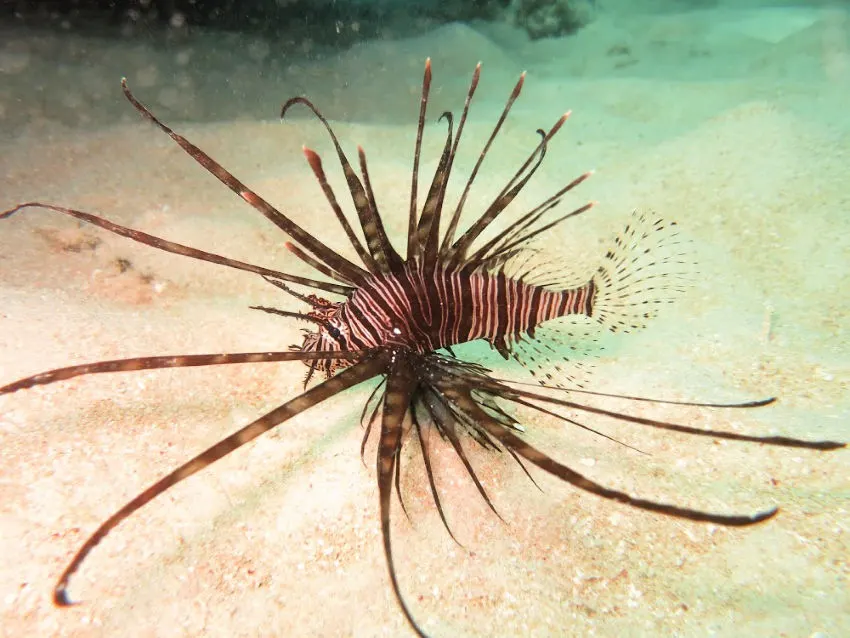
(739, 139)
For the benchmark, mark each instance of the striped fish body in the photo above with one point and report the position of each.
(426, 310)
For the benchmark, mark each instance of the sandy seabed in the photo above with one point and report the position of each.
(731, 121)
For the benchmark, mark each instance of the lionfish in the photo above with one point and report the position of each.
(398, 317)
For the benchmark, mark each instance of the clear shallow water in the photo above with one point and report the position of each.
(728, 119)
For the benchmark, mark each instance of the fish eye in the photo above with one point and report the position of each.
(335, 333)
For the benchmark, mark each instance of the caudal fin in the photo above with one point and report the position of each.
(647, 267)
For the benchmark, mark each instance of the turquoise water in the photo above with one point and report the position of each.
(729, 117)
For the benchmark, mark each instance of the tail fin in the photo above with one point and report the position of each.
(646, 268)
